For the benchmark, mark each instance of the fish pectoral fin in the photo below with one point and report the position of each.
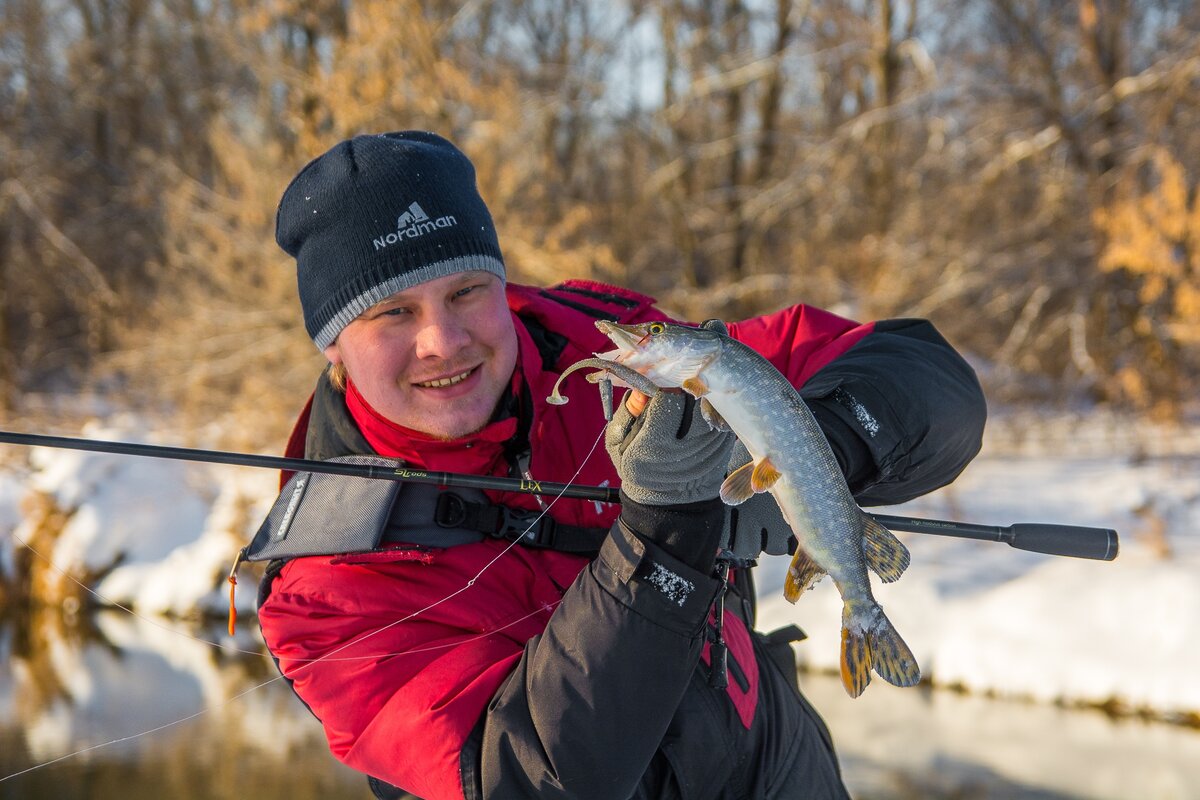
(695, 386)
(684, 370)
(803, 574)
(736, 489)
(712, 416)
(884, 553)
(765, 475)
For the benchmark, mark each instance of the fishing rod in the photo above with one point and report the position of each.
(1077, 541)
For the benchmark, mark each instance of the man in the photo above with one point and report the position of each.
(510, 645)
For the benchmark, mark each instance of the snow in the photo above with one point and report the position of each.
(160, 534)
(984, 617)
(979, 616)
(990, 622)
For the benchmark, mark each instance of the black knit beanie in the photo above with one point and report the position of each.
(376, 215)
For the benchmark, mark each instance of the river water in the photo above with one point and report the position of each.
(111, 682)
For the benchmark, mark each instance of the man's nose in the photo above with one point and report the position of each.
(443, 336)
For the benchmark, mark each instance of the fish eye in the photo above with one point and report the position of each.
(656, 328)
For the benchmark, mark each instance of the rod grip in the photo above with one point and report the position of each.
(1101, 544)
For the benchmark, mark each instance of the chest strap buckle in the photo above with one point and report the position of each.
(496, 521)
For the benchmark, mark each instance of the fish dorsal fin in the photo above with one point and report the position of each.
(884, 553)
(736, 489)
(803, 573)
(712, 416)
(765, 475)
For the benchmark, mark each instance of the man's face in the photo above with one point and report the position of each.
(435, 358)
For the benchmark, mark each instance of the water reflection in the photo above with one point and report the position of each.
(70, 683)
(917, 743)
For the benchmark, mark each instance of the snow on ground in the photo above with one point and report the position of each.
(978, 615)
(161, 534)
(988, 618)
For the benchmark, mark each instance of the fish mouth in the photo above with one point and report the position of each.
(627, 338)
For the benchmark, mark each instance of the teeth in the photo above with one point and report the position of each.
(441, 382)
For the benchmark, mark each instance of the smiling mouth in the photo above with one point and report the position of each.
(442, 383)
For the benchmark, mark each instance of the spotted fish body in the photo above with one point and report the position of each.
(792, 460)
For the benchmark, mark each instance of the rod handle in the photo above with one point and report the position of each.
(1101, 544)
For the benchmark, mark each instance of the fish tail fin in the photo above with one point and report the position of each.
(885, 555)
(870, 641)
(856, 660)
(890, 656)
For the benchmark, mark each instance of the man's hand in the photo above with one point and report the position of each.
(665, 453)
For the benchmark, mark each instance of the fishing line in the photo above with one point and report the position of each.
(471, 582)
(240, 695)
(131, 737)
(305, 663)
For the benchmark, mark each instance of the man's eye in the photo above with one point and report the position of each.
(393, 312)
(465, 290)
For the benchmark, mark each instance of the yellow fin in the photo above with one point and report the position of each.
(890, 656)
(803, 573)
(856, 661)
(712, 416)
(696, 386)
(765, 475)
(736, 489)
(884, 553)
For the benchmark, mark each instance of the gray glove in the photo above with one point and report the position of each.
(756, 525)
(669, 454)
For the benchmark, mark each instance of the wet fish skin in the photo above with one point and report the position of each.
(792, 460)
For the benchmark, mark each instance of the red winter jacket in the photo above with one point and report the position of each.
(486, 669)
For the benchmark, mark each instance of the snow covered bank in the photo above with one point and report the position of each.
(987, 618)
(979, 616)
(155, 535)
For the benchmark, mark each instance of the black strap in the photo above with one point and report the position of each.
(586, 309)
(531, 528)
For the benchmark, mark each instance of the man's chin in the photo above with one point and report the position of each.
(452, 430)
(470, 416)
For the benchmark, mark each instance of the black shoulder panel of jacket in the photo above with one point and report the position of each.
(902, 409)
(331, 430)
(550, 345)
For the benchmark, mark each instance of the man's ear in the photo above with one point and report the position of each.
(333, 354)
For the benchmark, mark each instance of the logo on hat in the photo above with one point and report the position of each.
(413, 223)
(414, 215)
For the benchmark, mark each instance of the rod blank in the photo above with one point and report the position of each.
(1060, 540)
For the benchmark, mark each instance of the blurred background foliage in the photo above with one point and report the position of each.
(1023, 172)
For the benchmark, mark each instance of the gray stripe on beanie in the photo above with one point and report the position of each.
(380, 292)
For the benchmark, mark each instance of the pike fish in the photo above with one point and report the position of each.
(739, 389)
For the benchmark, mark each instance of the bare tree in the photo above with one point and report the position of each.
(1002, 166)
